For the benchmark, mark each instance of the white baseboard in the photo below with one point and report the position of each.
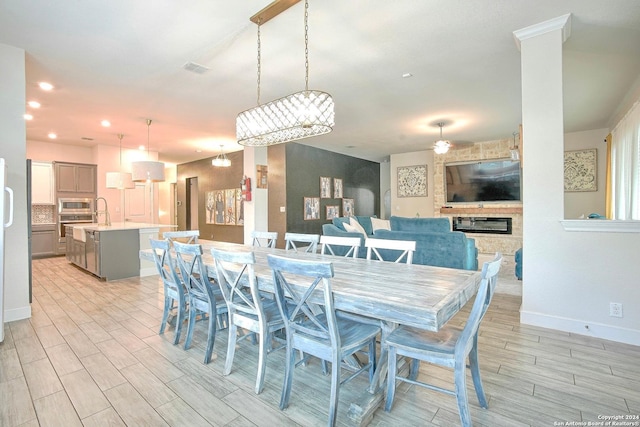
(17, 314)
(149, 271)
(581, 327)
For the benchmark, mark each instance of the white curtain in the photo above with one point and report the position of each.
(625, 166)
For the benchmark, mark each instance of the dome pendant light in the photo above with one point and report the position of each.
(120, 180)
(441, 146)
(148, 170)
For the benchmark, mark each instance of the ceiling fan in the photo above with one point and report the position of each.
(441, 146)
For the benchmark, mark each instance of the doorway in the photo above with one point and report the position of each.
(192, 203)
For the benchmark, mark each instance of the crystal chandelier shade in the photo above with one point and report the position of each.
(300, 115)
(296, 116)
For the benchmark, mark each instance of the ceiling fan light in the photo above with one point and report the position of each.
(441, 146)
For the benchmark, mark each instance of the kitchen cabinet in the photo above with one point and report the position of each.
(43, 240)
(75, 177)
(42, 188)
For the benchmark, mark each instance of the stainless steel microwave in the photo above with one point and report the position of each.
(75, 206)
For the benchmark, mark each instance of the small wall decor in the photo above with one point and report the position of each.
(337, 188)
(311, 208)
(412, 181)
(348, 208)
(262, 172)
(333, 211)
(225, 207)
(325, 187)
(580, 170)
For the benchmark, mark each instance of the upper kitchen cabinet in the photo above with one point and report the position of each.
(75, 178)
(42, 189)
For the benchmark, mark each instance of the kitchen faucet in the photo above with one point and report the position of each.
(107, 218)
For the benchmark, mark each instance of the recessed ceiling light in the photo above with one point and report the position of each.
(52, 135)
(34, 104)
(105, 123)
(407, 75)
(198, 150)
(45, 86)
(28, 116)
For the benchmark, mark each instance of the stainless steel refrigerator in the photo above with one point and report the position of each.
(6, 219)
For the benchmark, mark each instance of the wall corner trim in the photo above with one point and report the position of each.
(560, 23)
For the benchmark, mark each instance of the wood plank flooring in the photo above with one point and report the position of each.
(91, 355)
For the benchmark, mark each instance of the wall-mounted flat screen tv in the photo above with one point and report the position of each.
(483, 181)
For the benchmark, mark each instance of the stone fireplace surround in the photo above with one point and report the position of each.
(486, 243)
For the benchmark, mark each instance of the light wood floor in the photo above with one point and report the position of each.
(91, 355)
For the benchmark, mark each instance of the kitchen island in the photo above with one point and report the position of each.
(111, 251)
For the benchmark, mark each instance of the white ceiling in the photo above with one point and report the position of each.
(122, 60)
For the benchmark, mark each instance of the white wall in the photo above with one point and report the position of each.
(411, 206)
(13, 150)
(569, 277)
(581, 203)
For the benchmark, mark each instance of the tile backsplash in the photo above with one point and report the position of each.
(43, 214)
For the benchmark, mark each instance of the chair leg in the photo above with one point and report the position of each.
(460, 374)
(290, 364)
(231, 348)
(475, 375)
(391, 378)
(165, 314)
(211, 338)
(372, 359)
(182, 310)
(265, 344)
(414, 369)
(190, 326)
(335, 391)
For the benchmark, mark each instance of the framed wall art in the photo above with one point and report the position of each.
(412, 181)
(348, 208)
(337, 188)
(311, 208)
(333, 211)
(580, 170)
(325, 187)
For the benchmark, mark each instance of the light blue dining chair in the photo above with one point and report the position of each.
(266, 239)
(292, 241)
(390, 250)
(246, 308)
(449, 347)
(175, 296)
(184, 236)
(205, 297)
(340, 246)
(321, 332)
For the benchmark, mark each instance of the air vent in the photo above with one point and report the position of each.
(86, 138)
(195, 68)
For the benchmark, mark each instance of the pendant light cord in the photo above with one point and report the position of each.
(259, 23)
(306, 45)
(148, 126)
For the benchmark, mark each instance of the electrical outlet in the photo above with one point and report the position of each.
(615, 309)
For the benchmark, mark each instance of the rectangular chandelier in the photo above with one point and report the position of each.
(296, 116)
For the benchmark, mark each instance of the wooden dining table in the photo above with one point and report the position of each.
(416, 295)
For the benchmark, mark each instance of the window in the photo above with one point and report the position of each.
(625, 166)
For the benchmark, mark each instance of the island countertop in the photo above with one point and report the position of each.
(127, 225)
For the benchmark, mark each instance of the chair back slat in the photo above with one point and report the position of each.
(298, 281)
(291, 240)
(193, 271)
(390, 249)
(331, 244)
(235, 272)
(186, 236)
(166, 265)
(264, 238)
(484, 296)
